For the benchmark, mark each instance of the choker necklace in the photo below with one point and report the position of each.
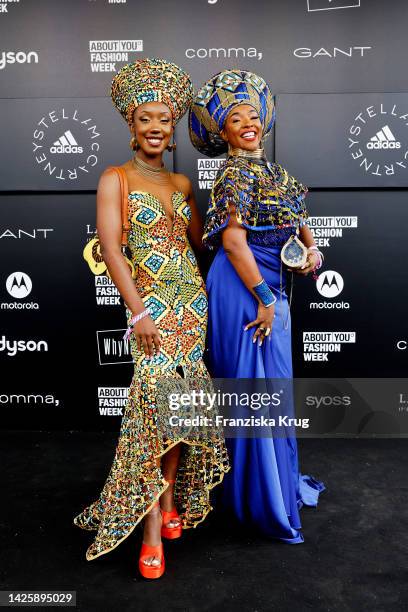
(156, 175)
(237, 152)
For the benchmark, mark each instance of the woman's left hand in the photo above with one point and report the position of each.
(311, 262)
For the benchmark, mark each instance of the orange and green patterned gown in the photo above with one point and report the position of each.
(169, 282)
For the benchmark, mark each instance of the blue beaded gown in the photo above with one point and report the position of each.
(264, 488)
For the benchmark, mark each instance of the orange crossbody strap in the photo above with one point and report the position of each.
(124, 191)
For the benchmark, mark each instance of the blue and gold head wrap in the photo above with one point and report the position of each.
(217, 97)
(151, 80)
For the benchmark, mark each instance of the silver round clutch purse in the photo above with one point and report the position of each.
(294, 252)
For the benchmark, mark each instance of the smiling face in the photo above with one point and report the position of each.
(153, 127)
(242, 128)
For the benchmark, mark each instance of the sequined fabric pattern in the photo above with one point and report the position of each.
(168, 281)
(266, 199)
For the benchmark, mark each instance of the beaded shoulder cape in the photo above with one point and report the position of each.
(265, 197)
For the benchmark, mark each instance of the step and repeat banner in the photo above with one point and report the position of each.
(337, 69)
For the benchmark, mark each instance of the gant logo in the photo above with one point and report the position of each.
(66, 144)
(383, 139)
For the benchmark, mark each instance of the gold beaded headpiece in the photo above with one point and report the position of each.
(151, 80)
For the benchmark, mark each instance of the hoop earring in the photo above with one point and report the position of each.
(134, 144)
(171, 147)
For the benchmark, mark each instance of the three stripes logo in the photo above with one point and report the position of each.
(383, 139)
(66, 144)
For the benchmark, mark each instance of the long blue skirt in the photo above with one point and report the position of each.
(264, 489)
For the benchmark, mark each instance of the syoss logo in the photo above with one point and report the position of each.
(328, 400)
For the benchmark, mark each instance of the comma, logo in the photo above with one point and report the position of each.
(29, 399)
(65, 145)
(224, 52)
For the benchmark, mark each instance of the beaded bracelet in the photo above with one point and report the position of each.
(134, 320)
(264, 293)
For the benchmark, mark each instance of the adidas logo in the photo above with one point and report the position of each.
(384, 139)
(66, 144)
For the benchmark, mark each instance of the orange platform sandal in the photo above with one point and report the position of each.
(171, 533)
(152, 571)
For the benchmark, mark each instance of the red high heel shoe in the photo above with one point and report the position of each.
(171, 533)
(151, 571)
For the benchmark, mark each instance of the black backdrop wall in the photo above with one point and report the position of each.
(337, 68)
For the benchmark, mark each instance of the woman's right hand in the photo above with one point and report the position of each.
(264, 321)
(147, 336)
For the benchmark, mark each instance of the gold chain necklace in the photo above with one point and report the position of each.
(237, 152)
(155, 175)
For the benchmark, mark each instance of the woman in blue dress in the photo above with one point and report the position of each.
(255, 207)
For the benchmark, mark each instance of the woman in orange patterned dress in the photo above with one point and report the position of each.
(159, 473)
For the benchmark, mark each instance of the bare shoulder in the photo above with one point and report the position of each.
(182, 183)
(109, 185)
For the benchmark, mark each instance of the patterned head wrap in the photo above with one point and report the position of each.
(151, 80)
(217, 97)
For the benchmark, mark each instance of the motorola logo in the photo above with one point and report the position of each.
(19, 285)
(330, 284)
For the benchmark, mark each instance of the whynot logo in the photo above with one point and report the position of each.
(17, 57)
(12, 347)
